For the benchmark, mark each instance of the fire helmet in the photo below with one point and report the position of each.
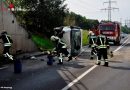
(54, 38)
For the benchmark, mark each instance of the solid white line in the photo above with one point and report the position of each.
(121, 46)
(3, 67)
(78, 78)
(88, 71)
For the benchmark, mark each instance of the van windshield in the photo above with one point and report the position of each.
(106, 27)
(75, 41)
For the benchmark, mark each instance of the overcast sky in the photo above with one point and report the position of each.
(91, 9)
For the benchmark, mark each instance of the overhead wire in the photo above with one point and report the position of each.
(87, 4)
(83, 6)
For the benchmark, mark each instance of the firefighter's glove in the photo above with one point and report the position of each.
(95, 46)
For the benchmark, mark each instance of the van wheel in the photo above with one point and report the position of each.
(116, 42)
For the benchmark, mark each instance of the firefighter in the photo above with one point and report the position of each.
(102, 45)
(61, 49)
(7, 42)
(93, 39)
(90, 33)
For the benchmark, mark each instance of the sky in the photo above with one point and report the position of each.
(91, 9)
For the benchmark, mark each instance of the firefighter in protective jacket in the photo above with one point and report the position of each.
(61, 49)
(93, 40)
(90, 33)
(7, 42)
(102, 45)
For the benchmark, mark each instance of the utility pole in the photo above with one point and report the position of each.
(109, 8)
(127, 22)
(121, 21)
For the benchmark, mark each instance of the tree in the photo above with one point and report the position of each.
(69, 20)
(125, 29)
(42, 15)
(78, 20)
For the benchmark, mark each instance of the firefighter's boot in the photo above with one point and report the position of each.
(98, 62)
(60, 59)
(91, 57)
(111, 54)
(106, 64)
(69, 58)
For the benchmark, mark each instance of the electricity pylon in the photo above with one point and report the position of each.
(109, 8)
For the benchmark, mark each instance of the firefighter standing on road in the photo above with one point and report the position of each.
(103, 45)
(7, 42)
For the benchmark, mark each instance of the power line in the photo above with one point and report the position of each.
(83, 7)
(109, 8)
(81, 4)
(87, 4)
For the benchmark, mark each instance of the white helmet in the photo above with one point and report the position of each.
(54, 38)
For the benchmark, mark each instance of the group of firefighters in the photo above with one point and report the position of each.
(99, 47)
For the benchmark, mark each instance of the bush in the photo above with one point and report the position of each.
(84, 37)
(42, 43)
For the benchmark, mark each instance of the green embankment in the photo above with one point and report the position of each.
(84, 37)
(42, 43)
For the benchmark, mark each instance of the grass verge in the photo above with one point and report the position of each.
(84, 37)
(42, 43)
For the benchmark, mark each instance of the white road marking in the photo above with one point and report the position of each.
(3, 67)
(89, 70)
(78, 78)
(121, 46)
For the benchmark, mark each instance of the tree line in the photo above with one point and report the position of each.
(125, 29)
(43, 15)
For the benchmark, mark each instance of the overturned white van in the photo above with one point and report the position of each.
(72, 36)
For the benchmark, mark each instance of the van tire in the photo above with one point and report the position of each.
(116, 42)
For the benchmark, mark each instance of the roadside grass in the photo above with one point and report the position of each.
(84, 37)
(42, 43)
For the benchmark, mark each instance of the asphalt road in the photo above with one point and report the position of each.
(79, 74)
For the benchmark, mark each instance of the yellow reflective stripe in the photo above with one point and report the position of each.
(102, 46)
(7, 44)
